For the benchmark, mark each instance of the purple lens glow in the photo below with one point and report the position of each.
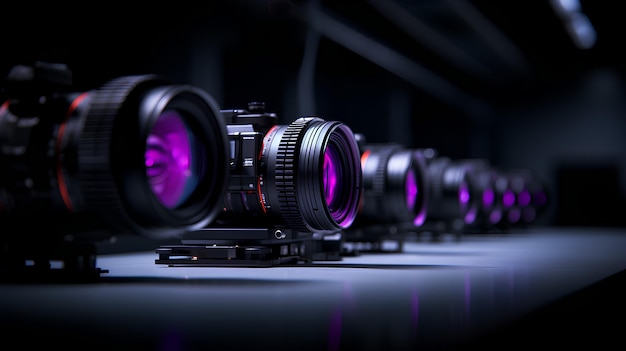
(488, 197)
(523, 198)
(469, 213)
(411, 189)
(495, 216)
(508, 198)
(330, 176)
(169, 160)
(464, 194)
(514, 215)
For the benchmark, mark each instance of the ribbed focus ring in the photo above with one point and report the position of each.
(379, 183)
(286, 167)
(98, 186)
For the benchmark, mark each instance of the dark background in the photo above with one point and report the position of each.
(500, 80)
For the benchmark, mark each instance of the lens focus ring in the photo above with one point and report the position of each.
(286, 161)
(97, 180)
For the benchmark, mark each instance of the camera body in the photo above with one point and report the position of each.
(292, 190)
(135, 156)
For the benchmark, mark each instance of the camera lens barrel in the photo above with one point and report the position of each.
(395, 185)
(305, 175)
(136, 156)
(453, 193)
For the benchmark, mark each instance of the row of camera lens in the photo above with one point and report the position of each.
(140, 155)
(407, 192)
(421, 188)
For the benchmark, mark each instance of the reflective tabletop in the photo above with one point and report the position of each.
(438, 293)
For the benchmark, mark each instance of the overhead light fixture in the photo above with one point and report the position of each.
(576, 23)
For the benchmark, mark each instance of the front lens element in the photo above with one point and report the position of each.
(411, 189)
(330, 176)
(342, 174)
(488, 198)
(508, 198)
(464, 194)
(171, 166)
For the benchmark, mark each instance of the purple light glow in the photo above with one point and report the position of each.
(464, 200)
(411, 189)
(330, 176)
(508, 198)
(514, 216)
(488, 197)
(523, 198)
(464, 194)
(169, 160)
(495, 216)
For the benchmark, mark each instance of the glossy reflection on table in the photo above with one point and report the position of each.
(435, 294)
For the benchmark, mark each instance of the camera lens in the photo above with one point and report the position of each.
(318, 184)
(165, 155)
(394, 182)
(453, 191)
(304, 176)
(531, 196)
(483, 177)
(507, 193)
(136, 156)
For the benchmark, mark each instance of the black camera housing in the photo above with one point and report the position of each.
(290, 187)
(136, 156)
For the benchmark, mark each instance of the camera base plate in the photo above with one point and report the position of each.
(294, 253)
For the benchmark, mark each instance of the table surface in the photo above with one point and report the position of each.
(435, 294)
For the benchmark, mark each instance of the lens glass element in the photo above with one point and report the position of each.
(464, 194)
(171, 169)
(331, 166)
(508, 198)
(524, 198)
(488, 197)
(411, 189)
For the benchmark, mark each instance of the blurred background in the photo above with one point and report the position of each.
(536, 85)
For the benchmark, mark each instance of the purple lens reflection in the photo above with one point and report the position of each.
(464, 194)
(411, 189)
(514, 215)
(469, 215)
(169, 160)
(330, 176)
(508, 198)
(488, 198)
(523, 198)
(495, 216)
